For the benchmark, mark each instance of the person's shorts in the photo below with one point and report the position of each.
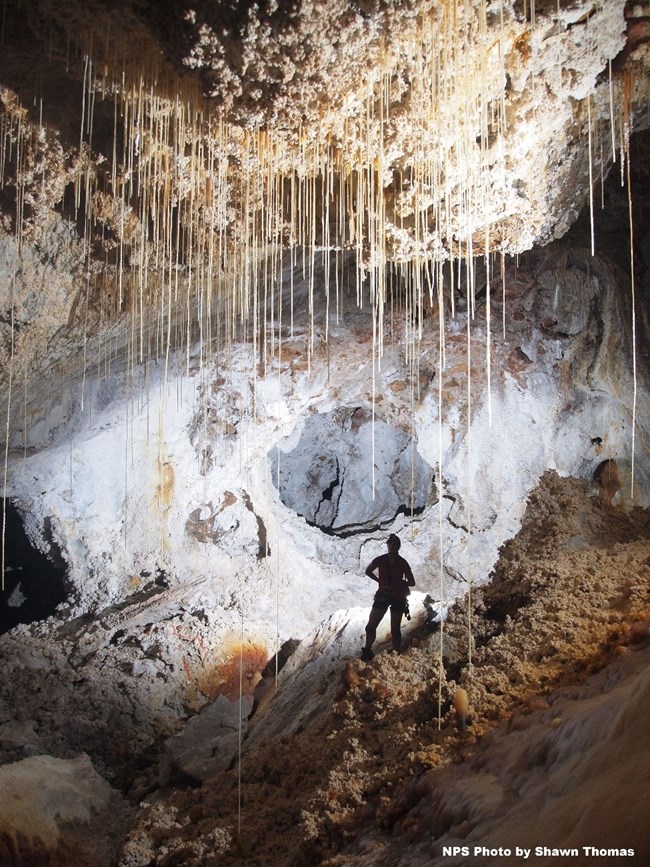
(384, 600)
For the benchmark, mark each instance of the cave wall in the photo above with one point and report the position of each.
(180, 478)
(139, 435)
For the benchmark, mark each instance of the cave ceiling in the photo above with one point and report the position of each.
(175, 156)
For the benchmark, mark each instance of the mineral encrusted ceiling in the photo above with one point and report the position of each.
(173, 157)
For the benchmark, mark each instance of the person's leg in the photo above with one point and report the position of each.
(396, 612)
(376, 615)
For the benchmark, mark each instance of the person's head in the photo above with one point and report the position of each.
(393, 542)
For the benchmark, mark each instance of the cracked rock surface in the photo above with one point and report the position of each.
(324, 477)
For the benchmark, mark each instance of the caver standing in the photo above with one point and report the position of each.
(394, 576)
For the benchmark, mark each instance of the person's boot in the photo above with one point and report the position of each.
(367, 654)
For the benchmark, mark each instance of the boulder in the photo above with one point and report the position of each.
(208, 743)
(59, 812)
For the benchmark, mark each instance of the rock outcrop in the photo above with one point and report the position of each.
(59, 812)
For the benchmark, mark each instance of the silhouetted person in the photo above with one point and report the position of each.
(394, 577)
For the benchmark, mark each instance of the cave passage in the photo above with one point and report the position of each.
(33, 585)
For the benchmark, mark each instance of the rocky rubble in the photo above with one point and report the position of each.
(118, 684)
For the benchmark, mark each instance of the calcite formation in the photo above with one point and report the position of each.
(162, 164)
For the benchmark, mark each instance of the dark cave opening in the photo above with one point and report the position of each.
(325, 477)
(33, 584)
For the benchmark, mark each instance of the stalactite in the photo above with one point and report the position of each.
(633, 327)
(240, 720)
(25, 429)
(611, 109)
(7, 433)
(503, 295)
(468, 352)
(488, 347)
(441, 550)
(278, 572)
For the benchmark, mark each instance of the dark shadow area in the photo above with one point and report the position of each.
(33, 585)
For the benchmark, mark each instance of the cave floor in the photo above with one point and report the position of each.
(568, 597)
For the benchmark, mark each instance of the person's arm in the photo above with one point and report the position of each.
(370, 571)
(410, 580)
